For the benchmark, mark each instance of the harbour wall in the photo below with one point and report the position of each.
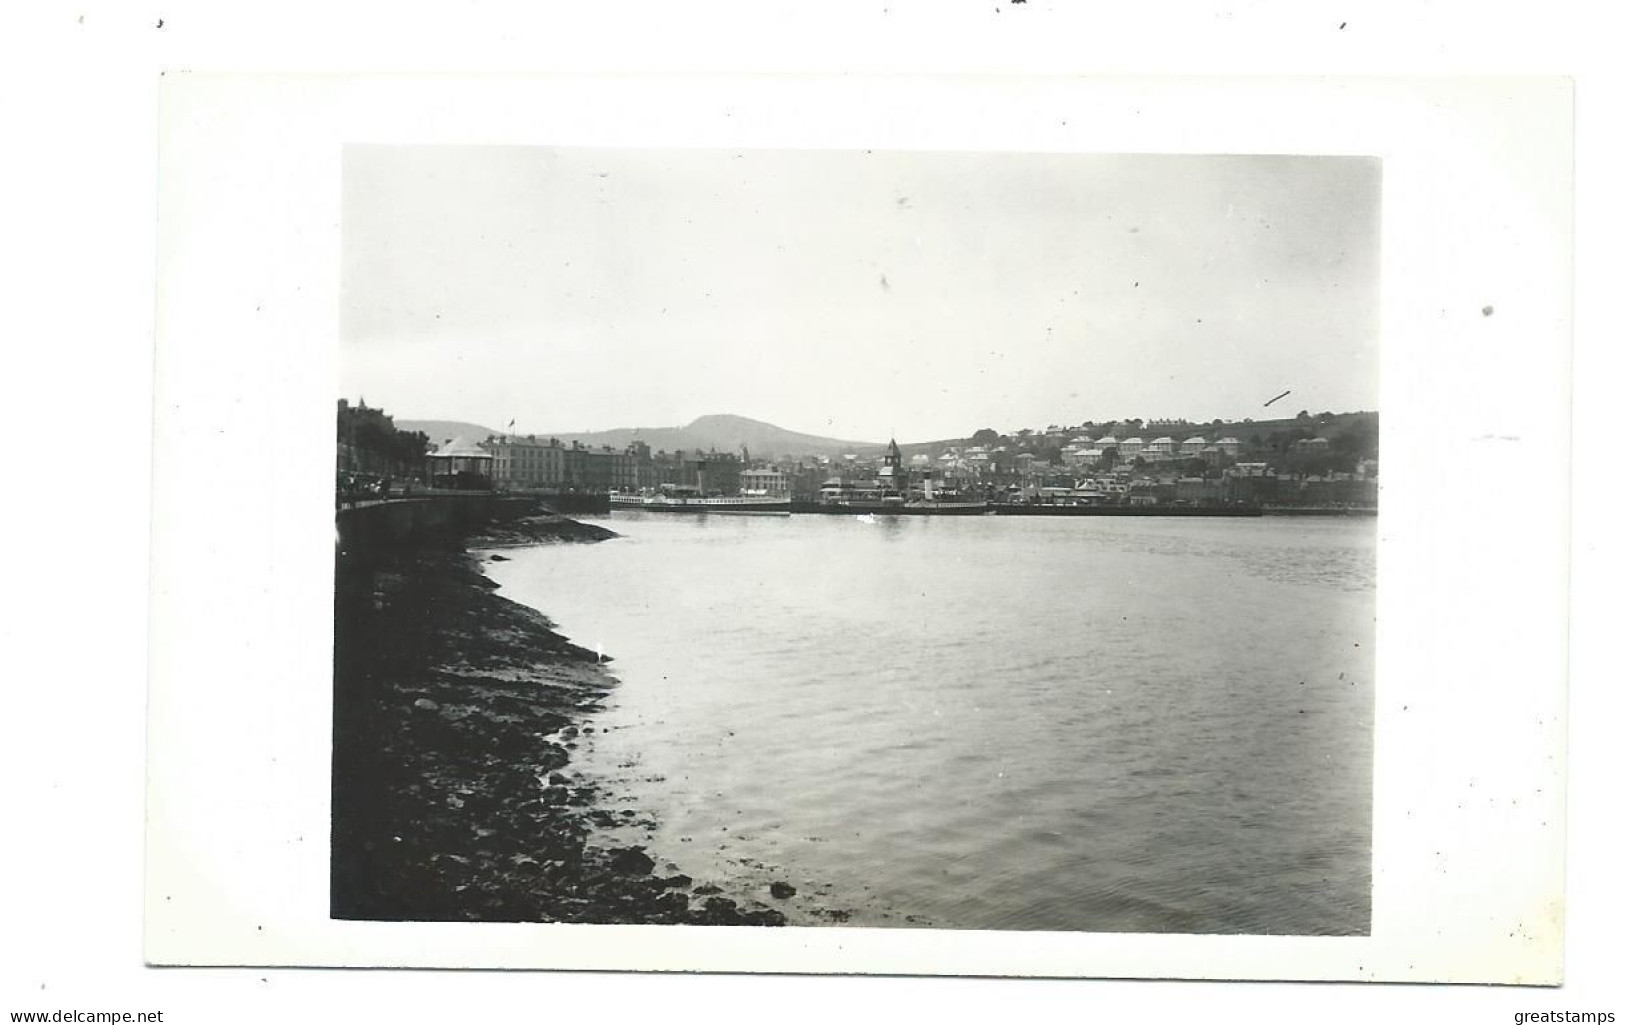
(367, 528)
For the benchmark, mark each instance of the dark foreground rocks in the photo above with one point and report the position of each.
(455, 712)
(542, 529)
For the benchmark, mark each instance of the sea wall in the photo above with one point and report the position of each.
(367, 530)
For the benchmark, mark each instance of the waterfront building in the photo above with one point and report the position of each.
(601, 469)
(526, 462)
(714, 473)
(846, 489)
(579, 472)
(765, 482)
(620, 469)
(893, 475)
(1194, 490)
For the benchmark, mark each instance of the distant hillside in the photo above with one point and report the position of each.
(440, 431)
(1257, 432)
(725, 433)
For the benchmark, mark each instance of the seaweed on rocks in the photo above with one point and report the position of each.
(453, 795)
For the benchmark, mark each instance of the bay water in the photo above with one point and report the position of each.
(1095, 724)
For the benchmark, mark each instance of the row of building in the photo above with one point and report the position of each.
(1240, 484)
(1098, 469)
(548, 464)
(1089, 451)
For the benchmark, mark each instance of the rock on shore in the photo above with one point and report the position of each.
(455, 713)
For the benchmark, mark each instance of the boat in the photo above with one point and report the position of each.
(891, 507)
(1025, 509)
(677, 501)
(889, 494)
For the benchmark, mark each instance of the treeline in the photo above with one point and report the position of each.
(369, 443)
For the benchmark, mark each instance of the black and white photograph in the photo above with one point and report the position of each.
(726, 511)
(906, 538)
(857, 538)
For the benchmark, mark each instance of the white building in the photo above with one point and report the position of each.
(767, 482)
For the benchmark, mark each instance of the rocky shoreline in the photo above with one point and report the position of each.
(456, 712)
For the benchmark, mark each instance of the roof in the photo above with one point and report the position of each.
(461, 448)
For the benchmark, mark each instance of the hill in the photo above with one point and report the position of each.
(725, 433)
(1360, 427)
(440, 431)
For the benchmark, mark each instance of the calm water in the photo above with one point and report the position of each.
(1147, 725)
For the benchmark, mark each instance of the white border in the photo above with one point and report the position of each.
(1476, 213)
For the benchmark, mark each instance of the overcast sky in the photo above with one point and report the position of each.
(854, 294)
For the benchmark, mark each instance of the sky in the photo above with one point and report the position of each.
(854, 294)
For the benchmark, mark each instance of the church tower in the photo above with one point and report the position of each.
(893, 475)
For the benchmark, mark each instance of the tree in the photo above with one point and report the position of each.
(409, 453)
(985, 436)
(1355, 442)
